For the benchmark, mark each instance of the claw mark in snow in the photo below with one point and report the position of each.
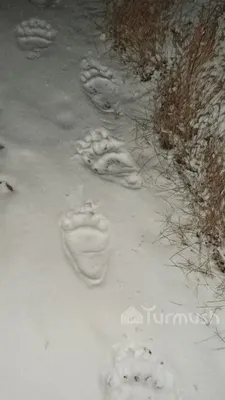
(136, 373)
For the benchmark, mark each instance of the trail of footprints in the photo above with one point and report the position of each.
(134, 373)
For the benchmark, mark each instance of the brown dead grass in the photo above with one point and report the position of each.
(206, 202)
(137, 29)
(180, 93)
(183, 96)
(214, 181)
(186, 88)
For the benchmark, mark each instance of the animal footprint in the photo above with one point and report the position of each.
(34, 35)
(108, 93)
(85, 236)
(136, 373)
(108, 157)
(100, 86)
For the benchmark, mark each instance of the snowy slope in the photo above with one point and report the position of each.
(57, 333)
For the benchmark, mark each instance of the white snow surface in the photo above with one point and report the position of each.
(57, 334)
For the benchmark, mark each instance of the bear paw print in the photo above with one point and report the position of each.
(34, 35)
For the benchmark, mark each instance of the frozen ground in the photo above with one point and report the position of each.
(57, 333)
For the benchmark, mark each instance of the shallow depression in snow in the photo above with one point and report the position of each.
(85, 236)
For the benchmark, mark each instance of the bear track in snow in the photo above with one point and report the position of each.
(85, 236)
(34, 35)
(108, 157)
(108, 92)
(135, 373)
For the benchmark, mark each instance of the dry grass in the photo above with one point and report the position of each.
(187, 127)
(190, 88)
(180, 93)
(185, 94)
(213, 207)
(137, 29)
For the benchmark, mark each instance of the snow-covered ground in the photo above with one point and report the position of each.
(57, 332)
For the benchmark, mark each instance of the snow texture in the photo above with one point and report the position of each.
(100, 86)
(108, 90)
(108, 157)
(45, 3)
(59, 330)
(85, 236)
(137, 374)
(34, 35)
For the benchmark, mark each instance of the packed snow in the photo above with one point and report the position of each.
(108, 157)
(89, 306)
(85, 239)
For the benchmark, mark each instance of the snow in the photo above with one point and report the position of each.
(107, 156)
(56, 333)
(85, 237)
